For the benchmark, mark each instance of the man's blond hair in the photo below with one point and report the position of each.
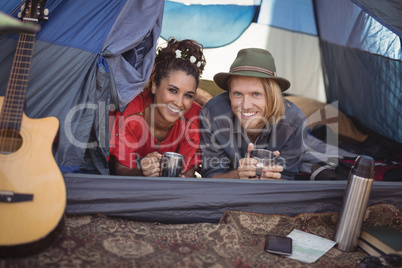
(275, 106)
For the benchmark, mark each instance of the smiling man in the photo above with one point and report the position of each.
(252, 114)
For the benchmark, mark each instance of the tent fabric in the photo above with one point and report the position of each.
(88, 57)
(205, 200)
(366, 88)
(293, 15)
(57, 90)
(92, 56)
(362, 67)
(130, 47)
(293, 51)
(196, 21)
(352, 27)
(106, 63)
(80, 26)
(286, 28)
(387, 12)
(347, 51)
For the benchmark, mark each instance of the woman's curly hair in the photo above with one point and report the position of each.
(166, 60)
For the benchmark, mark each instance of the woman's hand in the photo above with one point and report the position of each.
(150, 165)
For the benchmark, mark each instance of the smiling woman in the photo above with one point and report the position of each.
(164, 117)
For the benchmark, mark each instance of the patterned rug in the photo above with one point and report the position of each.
(236, 241)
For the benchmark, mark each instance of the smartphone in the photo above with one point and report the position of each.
(278, 244)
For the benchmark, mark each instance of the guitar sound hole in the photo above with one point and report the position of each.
(10, 141)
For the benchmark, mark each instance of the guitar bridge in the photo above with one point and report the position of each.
(11, 197)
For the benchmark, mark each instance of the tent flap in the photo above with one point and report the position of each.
(205, 200)
(388, 12)
(85, 53)
(362, 66)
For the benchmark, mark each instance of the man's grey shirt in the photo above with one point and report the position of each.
(224, 143)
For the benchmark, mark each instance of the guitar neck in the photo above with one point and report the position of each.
(14, 100)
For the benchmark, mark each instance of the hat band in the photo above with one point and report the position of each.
(252, 68)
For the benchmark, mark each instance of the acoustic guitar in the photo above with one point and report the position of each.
(32, 189)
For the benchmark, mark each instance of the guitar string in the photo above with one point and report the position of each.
(16, 91)
(24, 64)
(6, 146)
(9, 101)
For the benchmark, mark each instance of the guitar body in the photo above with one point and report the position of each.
(32, 189)
(31, 170)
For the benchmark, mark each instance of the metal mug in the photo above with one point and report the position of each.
(171, 164)
(264, 157)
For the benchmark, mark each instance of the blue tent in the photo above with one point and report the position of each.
(88, 55)
(354, 46)
(92, 56)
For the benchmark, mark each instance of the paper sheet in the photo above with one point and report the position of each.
(308, 247)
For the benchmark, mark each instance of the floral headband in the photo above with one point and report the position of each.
(180, 55)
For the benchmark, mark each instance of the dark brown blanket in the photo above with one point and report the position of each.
(236, 241)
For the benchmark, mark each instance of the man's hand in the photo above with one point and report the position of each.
(248, 167)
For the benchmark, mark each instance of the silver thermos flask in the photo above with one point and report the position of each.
(354, 204)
